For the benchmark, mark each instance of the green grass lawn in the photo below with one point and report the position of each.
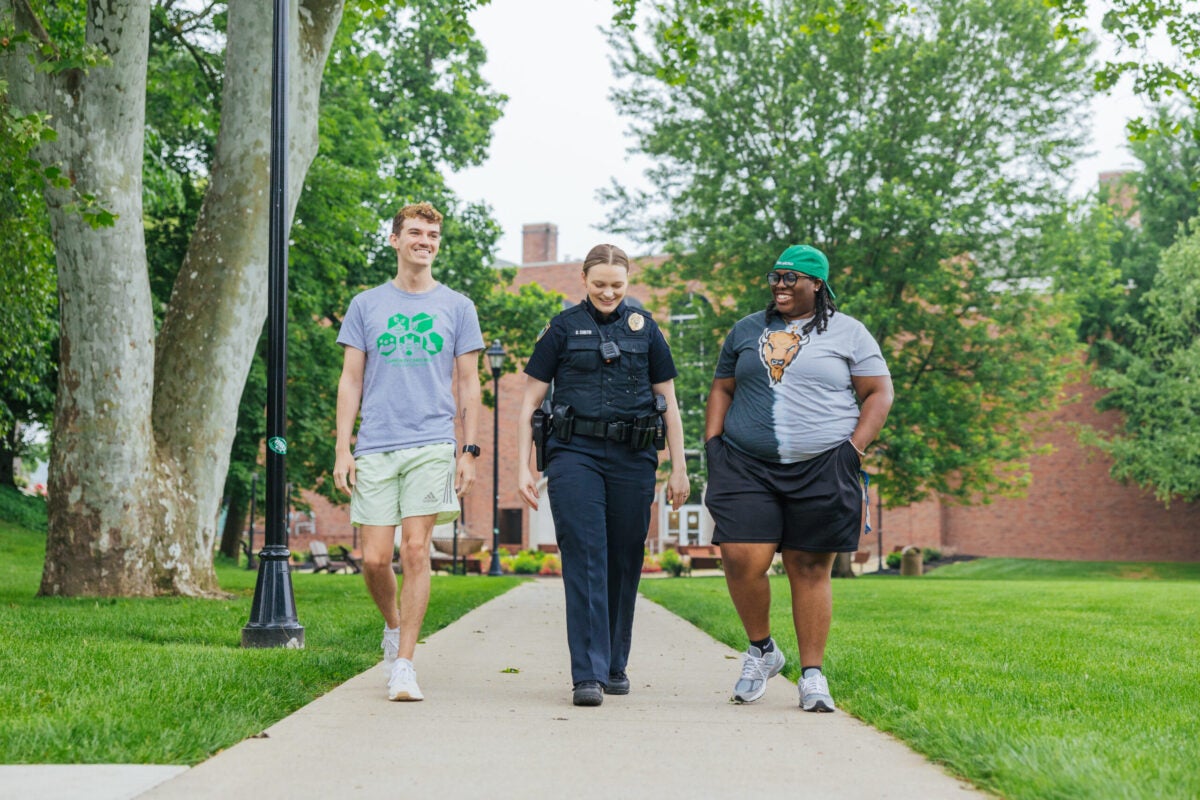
(1031, 679)
(165, 680)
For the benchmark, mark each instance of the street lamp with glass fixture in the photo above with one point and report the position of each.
(495, 356)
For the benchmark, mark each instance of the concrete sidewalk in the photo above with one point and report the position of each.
(498, 722)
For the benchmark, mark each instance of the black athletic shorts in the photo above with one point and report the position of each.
(814, 505)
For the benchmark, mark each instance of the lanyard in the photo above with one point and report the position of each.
(866, 484)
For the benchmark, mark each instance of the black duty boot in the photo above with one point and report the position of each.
(588, 693)
(618, 683)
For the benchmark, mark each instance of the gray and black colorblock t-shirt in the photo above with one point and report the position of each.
(794, 399)
(411, 341)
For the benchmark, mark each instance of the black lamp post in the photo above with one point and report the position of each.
(495, 356)
(273, 620)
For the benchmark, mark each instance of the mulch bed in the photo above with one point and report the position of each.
(928, 567)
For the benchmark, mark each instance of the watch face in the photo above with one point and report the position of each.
(473, 449)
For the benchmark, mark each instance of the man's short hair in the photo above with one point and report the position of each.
(425, 211)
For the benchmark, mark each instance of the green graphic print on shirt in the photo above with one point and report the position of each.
(408, 337)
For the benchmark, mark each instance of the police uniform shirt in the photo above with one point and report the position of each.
(551, 347)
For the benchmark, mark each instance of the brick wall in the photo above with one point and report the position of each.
(1073, 509)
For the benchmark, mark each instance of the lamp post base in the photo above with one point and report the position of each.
(273, 621)
(269, 636)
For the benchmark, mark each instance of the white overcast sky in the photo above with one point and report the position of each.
(560, 140)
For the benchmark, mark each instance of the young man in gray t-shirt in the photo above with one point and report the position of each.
(407, 343)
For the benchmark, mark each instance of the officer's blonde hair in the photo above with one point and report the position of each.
(605, 254)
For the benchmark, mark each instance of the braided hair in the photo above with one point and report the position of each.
(823, 308)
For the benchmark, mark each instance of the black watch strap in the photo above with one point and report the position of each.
(473, 449)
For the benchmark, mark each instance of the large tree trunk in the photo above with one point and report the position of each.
(103, 519)
(137, 464)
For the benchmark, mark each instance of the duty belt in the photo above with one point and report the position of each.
(619, 431)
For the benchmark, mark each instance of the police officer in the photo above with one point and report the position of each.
(608, 363)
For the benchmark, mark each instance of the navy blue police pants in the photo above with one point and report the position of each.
(600, 496)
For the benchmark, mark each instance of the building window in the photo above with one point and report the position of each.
(510, 525)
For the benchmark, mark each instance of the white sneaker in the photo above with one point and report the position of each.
(403, 683)
(756, 670)
(814, 693)
(391, 648)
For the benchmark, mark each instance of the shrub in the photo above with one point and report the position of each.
(551, 565)
(777, 567)
(650, 564)
(931, 554)
(671, 563)
(893, 560)
(24, 510)
(526, 563)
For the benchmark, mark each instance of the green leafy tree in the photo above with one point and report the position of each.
(1167, 186)
(28, 315)
(1080, 242)
(921, 149)
(1153, 382)
(183, 97)
(1132, 25)
(1139, 215)
(1143, 337)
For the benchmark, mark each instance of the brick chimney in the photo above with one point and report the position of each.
(539, 243)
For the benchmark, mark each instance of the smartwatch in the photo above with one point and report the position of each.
(473, 449)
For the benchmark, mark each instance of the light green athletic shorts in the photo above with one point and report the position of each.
(412, 482)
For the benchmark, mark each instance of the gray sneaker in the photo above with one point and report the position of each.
(756, 670)
(814, 694)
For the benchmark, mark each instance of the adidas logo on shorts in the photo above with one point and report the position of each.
(431, 498)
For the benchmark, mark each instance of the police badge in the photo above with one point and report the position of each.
(636, 321)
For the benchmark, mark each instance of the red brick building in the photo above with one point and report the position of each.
(1073, 509)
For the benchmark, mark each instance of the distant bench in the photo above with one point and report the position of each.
(701, 556)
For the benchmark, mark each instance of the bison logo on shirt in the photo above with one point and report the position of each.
(777, 349)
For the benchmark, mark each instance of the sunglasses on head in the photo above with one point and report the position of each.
(786, 278)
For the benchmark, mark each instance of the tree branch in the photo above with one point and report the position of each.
(36, 27)
(198, 56)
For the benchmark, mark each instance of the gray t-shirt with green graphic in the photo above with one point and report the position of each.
(411, 341)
